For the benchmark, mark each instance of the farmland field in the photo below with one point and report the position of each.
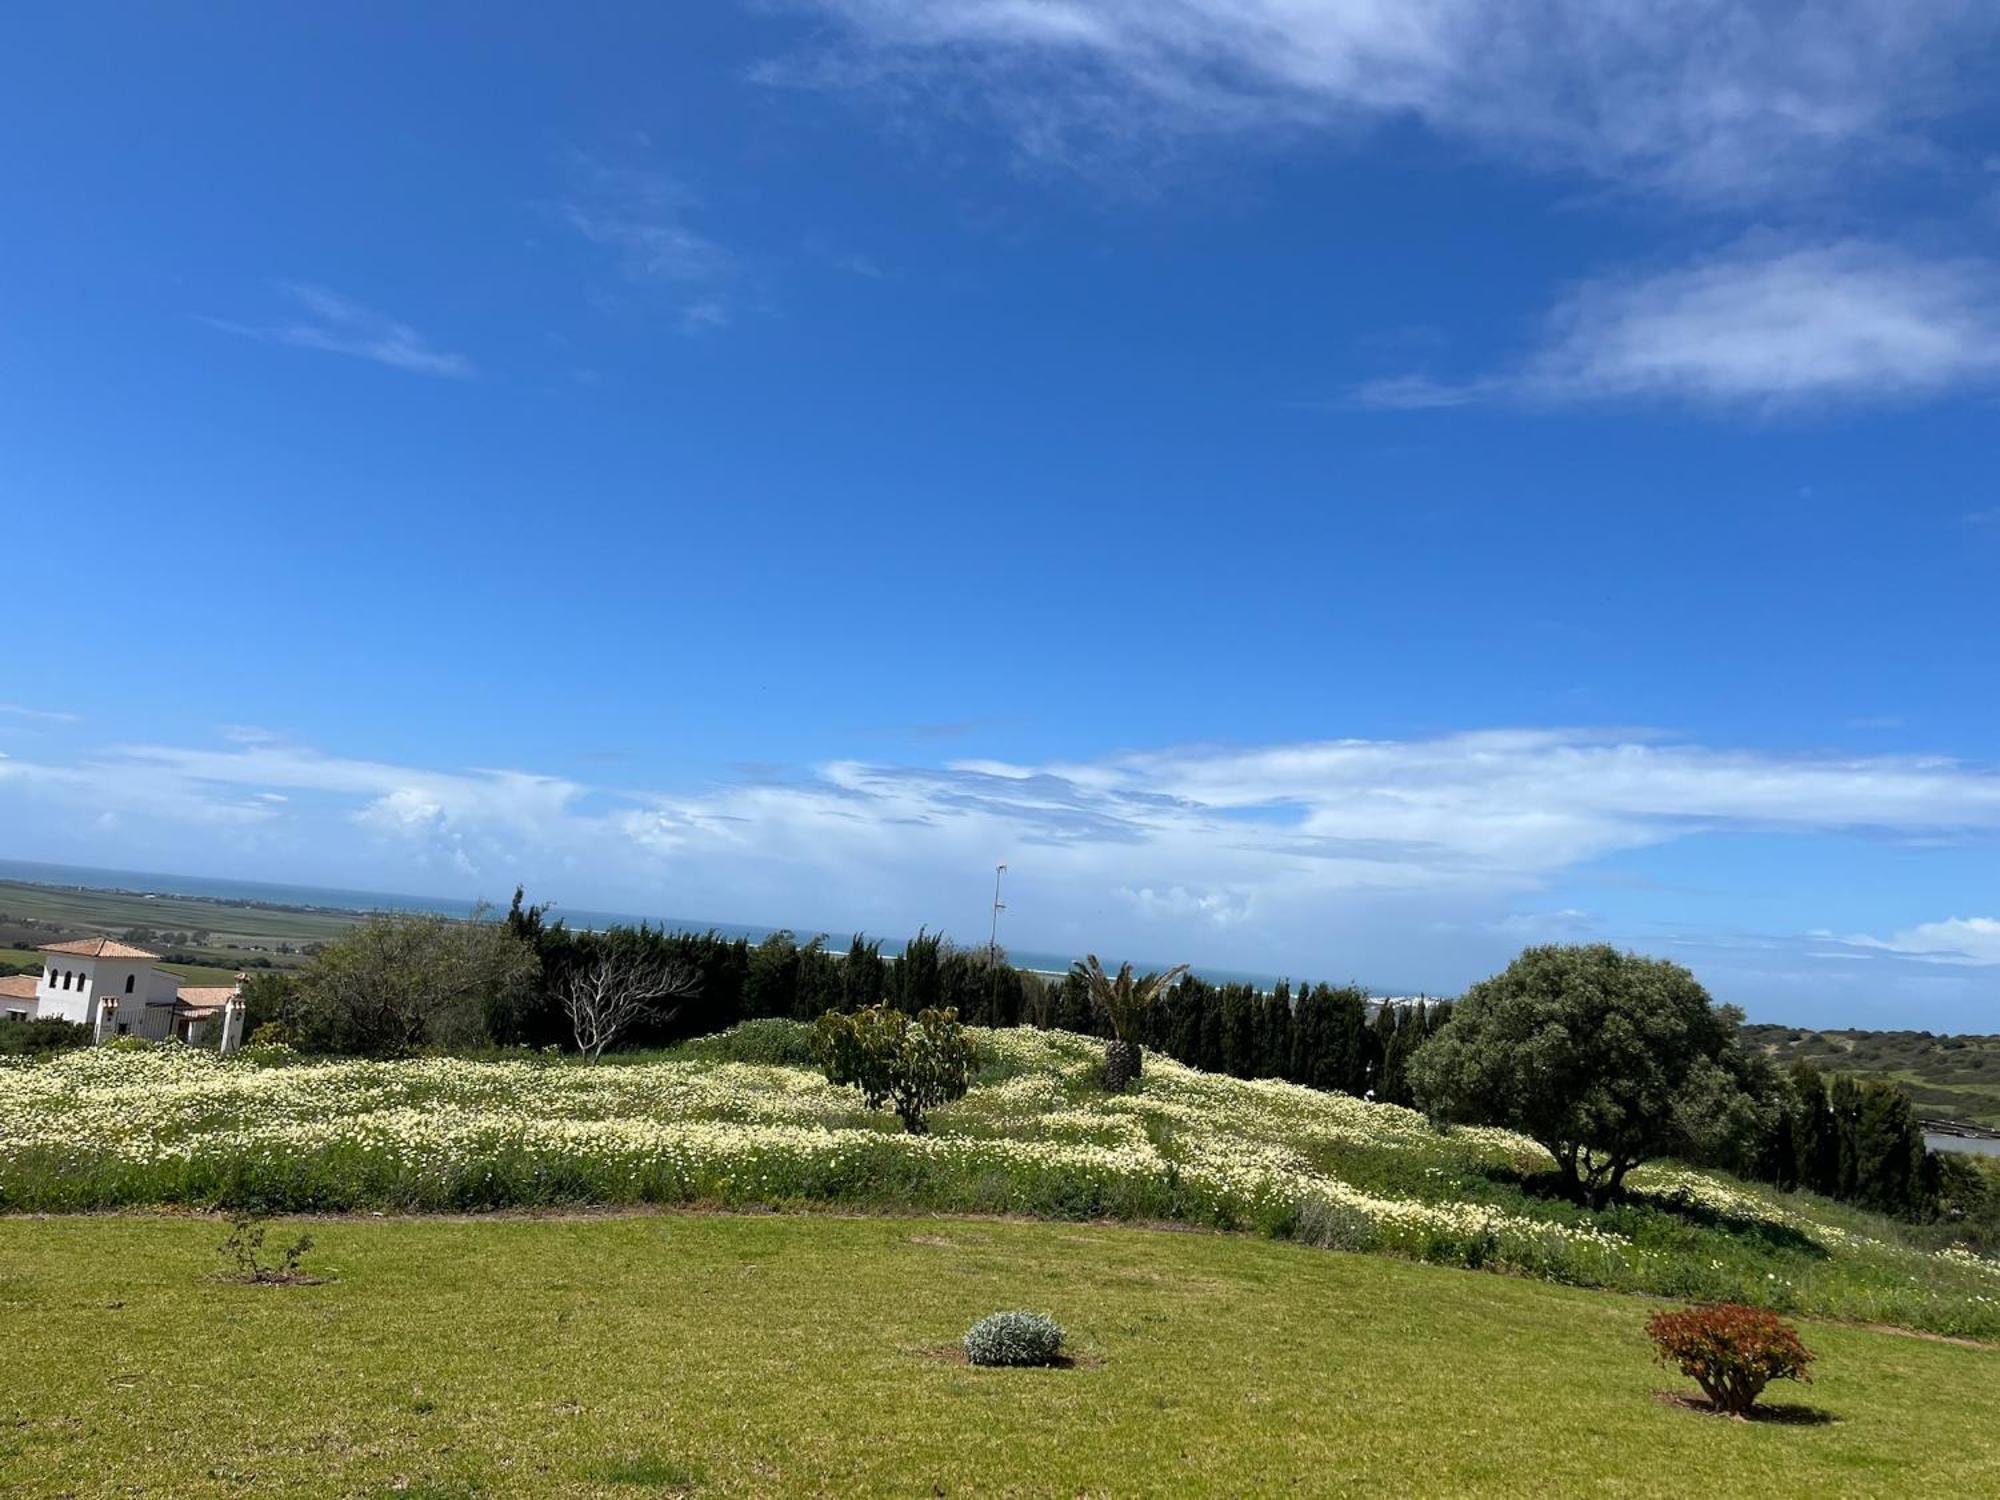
(233, 934)
(796, 1354)
(1947, 1077)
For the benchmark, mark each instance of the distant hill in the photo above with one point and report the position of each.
(1946, 1077)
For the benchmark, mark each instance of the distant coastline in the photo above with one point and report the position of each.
(269, 895)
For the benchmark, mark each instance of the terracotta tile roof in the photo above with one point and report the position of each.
(200, 997)
(17, 986)
(97, 947)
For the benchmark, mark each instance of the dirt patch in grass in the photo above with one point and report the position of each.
(269, 1278)
(954, 1354)
(1777, 1413)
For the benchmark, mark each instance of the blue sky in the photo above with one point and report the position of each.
(1340, 489)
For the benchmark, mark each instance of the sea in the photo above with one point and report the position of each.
(334, 898)
(1978, 1145)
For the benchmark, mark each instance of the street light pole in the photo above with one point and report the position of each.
(993, 938)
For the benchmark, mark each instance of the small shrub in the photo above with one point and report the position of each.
(1014, 1338)
(1332, 1225)
(130, 1044)
(913, 1065)
(274, 1034)
(1731, 1352)
(784, 1044)
(242, 1251)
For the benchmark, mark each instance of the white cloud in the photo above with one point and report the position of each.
(1851, 321)
(1759, 325)
(37, 715)
(333, 324)
(1965, 941)
(1702, 97)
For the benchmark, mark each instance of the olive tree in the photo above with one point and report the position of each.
(400, 982)
(1605, 1058)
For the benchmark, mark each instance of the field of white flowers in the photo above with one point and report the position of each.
(103, 1128)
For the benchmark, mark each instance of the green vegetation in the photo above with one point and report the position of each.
(1036, 1134)
(913, 1065)
(1605, 1058)
(1947, 1077)
(20, 961)
(1125, 1004)
(1016, 1340)
(397, 983)
(720, 1356)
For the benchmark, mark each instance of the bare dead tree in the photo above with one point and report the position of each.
(605, 996)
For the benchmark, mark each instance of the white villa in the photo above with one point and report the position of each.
(115, 989)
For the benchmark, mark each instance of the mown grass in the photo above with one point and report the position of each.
(690, 1355)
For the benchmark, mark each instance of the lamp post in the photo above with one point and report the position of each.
(993, 937)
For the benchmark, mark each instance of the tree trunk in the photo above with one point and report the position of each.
(1122, 1062)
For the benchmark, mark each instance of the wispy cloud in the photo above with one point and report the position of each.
(1761, 326)
(642, 218)
(333, 324)
(37, 715)
(1968, 942)
(1705, 98)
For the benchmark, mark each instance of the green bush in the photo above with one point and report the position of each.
(1014, 1338)
(784, 1044)
(32, 1038)
(913, 1065)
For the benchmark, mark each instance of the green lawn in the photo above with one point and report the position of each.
(799, 1355)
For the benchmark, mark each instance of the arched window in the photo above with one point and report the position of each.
(130, 980)
(67, 976)
(52, 976)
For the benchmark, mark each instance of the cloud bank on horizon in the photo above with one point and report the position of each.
(1300, 858)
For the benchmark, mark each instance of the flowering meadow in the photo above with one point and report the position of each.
(103, 1128)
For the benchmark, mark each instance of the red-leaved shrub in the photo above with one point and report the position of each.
(1731, 1352)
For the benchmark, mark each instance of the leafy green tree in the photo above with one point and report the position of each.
(862, 975)
(398, 983)
(1275, 1032)
(916, 981)
(1605, 1058)
(914, 1065)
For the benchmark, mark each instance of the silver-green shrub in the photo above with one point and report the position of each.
(1014, 1338)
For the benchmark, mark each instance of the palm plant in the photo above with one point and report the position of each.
(1124, 1001)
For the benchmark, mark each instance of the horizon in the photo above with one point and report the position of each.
(1312, 493)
